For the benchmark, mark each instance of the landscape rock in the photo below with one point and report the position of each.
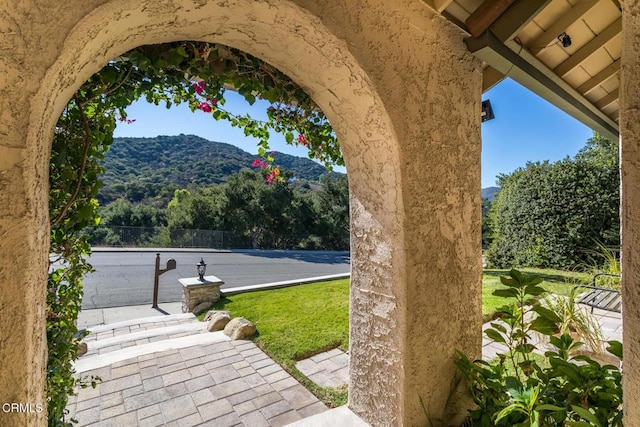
(218, 320)
(82, 348)
(240, 328)
(202, 307)
(212, 313)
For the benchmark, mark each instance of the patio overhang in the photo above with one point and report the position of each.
(566, 51)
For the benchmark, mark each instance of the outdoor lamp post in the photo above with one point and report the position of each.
(202, 268)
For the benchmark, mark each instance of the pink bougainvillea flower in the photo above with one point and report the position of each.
(303, 140)
(255, 163)
(204, 106)
(213, 101)
(263, 165)
(199, 87)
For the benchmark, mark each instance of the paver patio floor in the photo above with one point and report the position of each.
(229, 383)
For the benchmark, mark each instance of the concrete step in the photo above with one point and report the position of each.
(143, 322)
(95, 361)
(144, 336)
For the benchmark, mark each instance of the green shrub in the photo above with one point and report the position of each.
(549, 214)
(519, 390)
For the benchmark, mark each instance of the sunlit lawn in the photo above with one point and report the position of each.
(298, 322)
(555, 281)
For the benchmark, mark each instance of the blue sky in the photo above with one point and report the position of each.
(526, 128)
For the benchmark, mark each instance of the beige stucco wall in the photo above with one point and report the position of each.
(630, 209)
(403, 95)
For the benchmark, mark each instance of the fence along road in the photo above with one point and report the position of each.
(125, 277)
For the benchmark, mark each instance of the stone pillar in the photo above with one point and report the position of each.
(630, 207)
(196, 291)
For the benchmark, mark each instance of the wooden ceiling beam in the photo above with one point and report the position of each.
(485, 15)
(608, 100)
(590, 48)
(441, 5)
(544, 40)
(618, 5)
(516, 17)
(490, 78)
(600, 78)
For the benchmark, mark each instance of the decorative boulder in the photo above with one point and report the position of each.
(212, 313)
(82, 348)
(202, 307)
(240, 329)
(218, 320)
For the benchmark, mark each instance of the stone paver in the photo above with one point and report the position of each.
(224, 384)
(327, 369)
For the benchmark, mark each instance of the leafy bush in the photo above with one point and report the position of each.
(569, 391)
(550, 214)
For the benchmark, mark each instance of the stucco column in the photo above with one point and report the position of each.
(416, 267)
(24, 230)
(23, 266)
(630, 195)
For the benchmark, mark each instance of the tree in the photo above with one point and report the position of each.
(332, 207)
(552, 214)
(487, 232)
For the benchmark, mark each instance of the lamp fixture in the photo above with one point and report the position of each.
(565, 39)
(202, 268)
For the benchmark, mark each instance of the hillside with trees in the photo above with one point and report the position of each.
(187, 191)
(149, 169)
(558, 214)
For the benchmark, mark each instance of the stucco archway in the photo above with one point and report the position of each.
(403, 96)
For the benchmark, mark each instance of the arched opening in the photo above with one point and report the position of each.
(414, 213)
(346, 119)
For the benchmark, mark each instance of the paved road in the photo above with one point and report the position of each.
(126, 277)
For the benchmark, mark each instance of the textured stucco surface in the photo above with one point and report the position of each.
(630, 195)
(401, 92)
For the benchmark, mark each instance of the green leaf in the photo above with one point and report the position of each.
(508, 282)
(587, 415)
(508, 410)
(535, 290)
(547, 314)
(288, 137)
(506, 293)
(615, 348)
(495, 335)
(108, 75)
(499, 327)
(549, 407)
(544, 326)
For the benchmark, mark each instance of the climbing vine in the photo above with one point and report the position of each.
(195, 73)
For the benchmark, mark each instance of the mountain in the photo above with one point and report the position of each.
(489, 193)
(145, 168)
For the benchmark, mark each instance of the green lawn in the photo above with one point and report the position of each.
(298, 322)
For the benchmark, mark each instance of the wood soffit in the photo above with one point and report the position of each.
(526, 40)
